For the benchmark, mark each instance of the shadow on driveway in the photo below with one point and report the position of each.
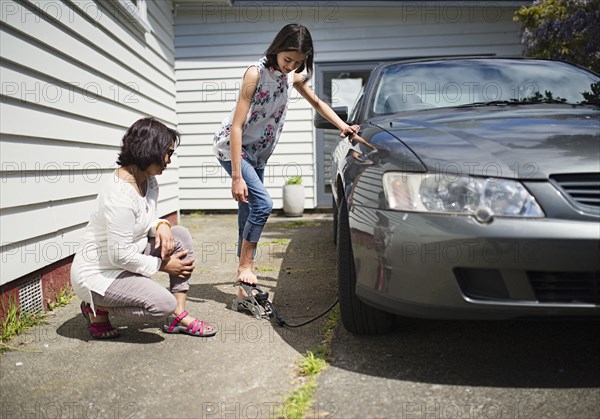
(132, 331)
(542, 353)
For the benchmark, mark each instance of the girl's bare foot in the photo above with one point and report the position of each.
(244, 272)
(246, 276)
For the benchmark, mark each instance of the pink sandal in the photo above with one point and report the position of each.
(196, 328)
(100, 330)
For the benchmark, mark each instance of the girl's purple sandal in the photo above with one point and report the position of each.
(101, 330)
(196, 328)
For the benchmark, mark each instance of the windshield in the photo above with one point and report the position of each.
(438, 84)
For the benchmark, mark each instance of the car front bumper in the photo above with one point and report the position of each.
(437, 266)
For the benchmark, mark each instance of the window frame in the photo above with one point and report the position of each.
(135, 12)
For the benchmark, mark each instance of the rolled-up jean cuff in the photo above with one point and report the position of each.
(252, 232)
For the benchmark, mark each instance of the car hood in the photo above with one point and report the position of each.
(525, 142)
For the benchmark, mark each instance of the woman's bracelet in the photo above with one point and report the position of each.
(163, 222)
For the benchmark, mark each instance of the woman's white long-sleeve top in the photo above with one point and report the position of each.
(116, 237)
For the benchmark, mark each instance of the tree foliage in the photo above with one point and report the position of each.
(567, 30)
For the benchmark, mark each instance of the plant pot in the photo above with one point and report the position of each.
(293, 200)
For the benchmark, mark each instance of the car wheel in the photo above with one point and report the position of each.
(357, 317)
(335, 220)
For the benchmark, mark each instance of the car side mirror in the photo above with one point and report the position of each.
(320, 122)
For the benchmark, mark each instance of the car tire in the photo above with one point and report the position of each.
(357, 317)
(335, 220)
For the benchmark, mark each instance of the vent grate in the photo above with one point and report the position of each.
(566, 287)
(582, 188)
(30, 296)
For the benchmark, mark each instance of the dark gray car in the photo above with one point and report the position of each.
(473, 192)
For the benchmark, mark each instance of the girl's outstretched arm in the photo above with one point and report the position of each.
(322, 108)
(239, 190)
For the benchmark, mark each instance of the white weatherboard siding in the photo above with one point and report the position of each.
(75, 75)
(214, 44)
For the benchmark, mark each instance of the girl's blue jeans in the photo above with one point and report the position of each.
(252, 216)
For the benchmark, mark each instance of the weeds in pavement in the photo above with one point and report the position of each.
(331, 321)
(301, 224)
(299, 402)
(16, 322)
(282, 242)
(63, 297)
(264, 269)
(311, 365)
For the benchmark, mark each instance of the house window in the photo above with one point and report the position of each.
(134, 12)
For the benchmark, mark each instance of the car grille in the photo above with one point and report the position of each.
(582, 188)
(566, 287)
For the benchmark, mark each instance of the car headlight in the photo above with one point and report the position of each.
(483, 198)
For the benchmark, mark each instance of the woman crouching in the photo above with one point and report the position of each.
(124, 243)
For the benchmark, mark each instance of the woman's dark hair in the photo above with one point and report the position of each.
(293, 37)
(146, 142)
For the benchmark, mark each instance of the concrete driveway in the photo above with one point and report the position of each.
(425, 369)
(245, 371)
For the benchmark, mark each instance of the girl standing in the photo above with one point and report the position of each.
(248, 136)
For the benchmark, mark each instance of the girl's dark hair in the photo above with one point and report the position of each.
(146, 142)
(293, 37)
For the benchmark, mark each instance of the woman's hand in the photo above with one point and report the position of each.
(349, 131)
(175, 265)
(164, 238)
(239, 190)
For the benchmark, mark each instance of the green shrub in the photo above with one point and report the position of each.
(566, 30)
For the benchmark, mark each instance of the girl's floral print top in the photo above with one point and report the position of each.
(264, 121)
